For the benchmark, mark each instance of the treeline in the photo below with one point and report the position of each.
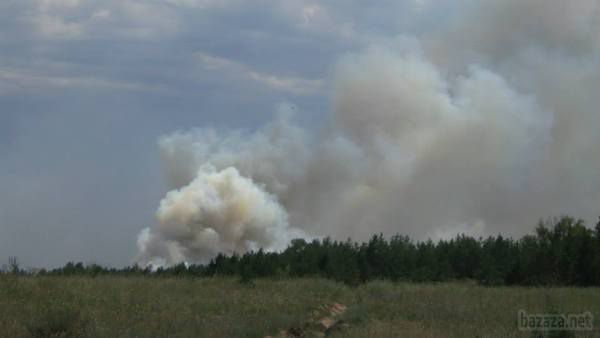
(562, 251)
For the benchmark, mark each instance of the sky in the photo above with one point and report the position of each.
(89, 87)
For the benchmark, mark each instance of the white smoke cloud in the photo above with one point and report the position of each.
(219, 211)
(272, 156)
(479, 129)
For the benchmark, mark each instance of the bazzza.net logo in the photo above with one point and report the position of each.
(555, 321)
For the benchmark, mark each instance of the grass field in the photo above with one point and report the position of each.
(223, 307)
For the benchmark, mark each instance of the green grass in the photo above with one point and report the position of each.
(459, 309)
(223, 307)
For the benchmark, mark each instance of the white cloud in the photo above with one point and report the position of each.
(76, 19)
(293, 85)
(58, 4)
(13, 80)
(53, 26)
(199, 3)
(101, 14)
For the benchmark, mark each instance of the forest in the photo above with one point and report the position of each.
(562, 251)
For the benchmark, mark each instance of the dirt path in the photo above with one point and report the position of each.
(323, 322)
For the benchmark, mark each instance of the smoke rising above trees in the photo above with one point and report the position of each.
(480, 127)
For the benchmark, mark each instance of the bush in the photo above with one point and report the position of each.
(57, 320)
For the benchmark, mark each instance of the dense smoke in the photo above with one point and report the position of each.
(481, 127)
(219, 211)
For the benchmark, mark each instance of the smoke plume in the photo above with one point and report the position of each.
(479, 127)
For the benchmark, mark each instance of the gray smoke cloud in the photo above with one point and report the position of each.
(481, 127)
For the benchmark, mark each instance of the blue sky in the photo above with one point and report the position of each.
(87, 87)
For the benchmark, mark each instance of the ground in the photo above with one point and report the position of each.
(224, 307)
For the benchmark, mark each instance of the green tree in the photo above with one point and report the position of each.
(13, 265)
